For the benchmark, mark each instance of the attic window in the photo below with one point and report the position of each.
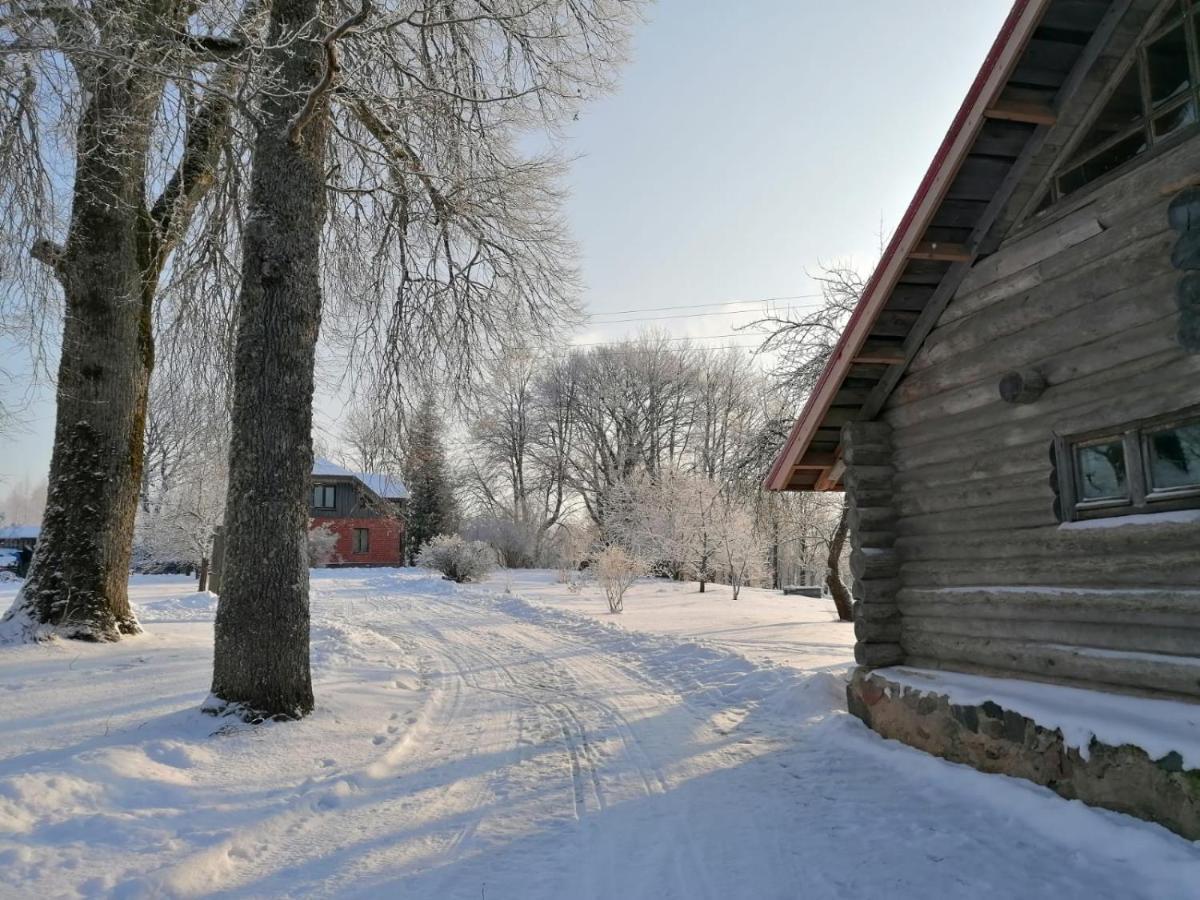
(1148, 467)
(324, 496)
(1154, 100)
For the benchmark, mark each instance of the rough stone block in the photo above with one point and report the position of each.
(993, 739)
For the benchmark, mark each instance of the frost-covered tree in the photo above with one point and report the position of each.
(432, 508)
(399, 123)
(675, 520)
(617, 570)
(113, 116)
(803, 344)
(521, 426)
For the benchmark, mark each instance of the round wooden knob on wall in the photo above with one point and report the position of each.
(1023, 386)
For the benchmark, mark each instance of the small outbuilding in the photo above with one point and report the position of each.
(1014, 414)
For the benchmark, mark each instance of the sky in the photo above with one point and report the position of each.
(747, 144)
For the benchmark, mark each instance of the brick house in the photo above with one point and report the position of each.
(364, 509)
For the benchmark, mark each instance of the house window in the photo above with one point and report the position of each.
(1147, 467)
(1154, 100)
(324, 496)
(362, 540)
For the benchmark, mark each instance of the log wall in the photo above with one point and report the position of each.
(988, 578)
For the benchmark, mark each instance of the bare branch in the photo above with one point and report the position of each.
(322, 88)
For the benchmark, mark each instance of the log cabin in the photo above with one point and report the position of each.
(1013, 412)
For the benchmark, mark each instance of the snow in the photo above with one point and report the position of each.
(1159, 727)
(472, 743)
(20, 532)
(381, 485)
(1171, 517)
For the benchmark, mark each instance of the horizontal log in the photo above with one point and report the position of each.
(873, 631)
(867, 434)
(1145, 540)
(1003, 515)
(1173, 569)
(1050, 603)
(876, 591)
(1114, 636)
(870, 497)
(871, 563)
(867, 455)
(877, 655)
(872, 518)
(1137, 394)
(1080, 372)
(1084, 323)
(1120, 238)
(868, 478)
(878, 540)
(1048, 662)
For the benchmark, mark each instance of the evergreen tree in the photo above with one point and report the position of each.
(432, 509)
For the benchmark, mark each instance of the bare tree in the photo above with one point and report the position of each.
(804, 342)
(520, 439)
(401, 125)
(803, 345)
(85, 87)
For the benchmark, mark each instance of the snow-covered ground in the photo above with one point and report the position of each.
(471, 743)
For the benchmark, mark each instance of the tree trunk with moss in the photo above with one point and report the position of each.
(77, 585)
(109, 270)
(261, 650)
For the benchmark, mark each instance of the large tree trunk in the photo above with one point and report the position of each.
(261, 651)
(109, 270)
(78, 582)
(841, 596)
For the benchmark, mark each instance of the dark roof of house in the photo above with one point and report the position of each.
(1037, 62)
(384, 486)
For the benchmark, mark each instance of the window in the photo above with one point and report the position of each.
(324, 496)
(1147, 467)
(1156, 98)
(362, 540)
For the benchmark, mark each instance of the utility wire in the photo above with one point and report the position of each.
(643, 309)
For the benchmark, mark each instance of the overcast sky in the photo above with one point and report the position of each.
(748, 142)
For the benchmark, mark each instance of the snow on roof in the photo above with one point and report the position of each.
(20, 532)
(384, 485)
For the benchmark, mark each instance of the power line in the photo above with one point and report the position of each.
(625, 312)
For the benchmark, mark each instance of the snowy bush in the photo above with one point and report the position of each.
(322, 545)
(616, 569)
(456, 559)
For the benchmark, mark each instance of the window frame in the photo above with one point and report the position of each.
(1187, 16)
(1142, 497)
(363, 545)
(323, 488)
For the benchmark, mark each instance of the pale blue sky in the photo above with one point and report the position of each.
(748, 141)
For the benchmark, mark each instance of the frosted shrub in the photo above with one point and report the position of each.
(456, 559)
(616, 570)
(322, 545)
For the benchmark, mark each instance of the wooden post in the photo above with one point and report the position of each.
(867, 453)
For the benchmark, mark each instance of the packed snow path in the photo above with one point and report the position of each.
(471, 744)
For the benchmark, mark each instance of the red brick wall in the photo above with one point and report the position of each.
(386, 544)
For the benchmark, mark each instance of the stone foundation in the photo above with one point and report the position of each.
(1002, 741)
